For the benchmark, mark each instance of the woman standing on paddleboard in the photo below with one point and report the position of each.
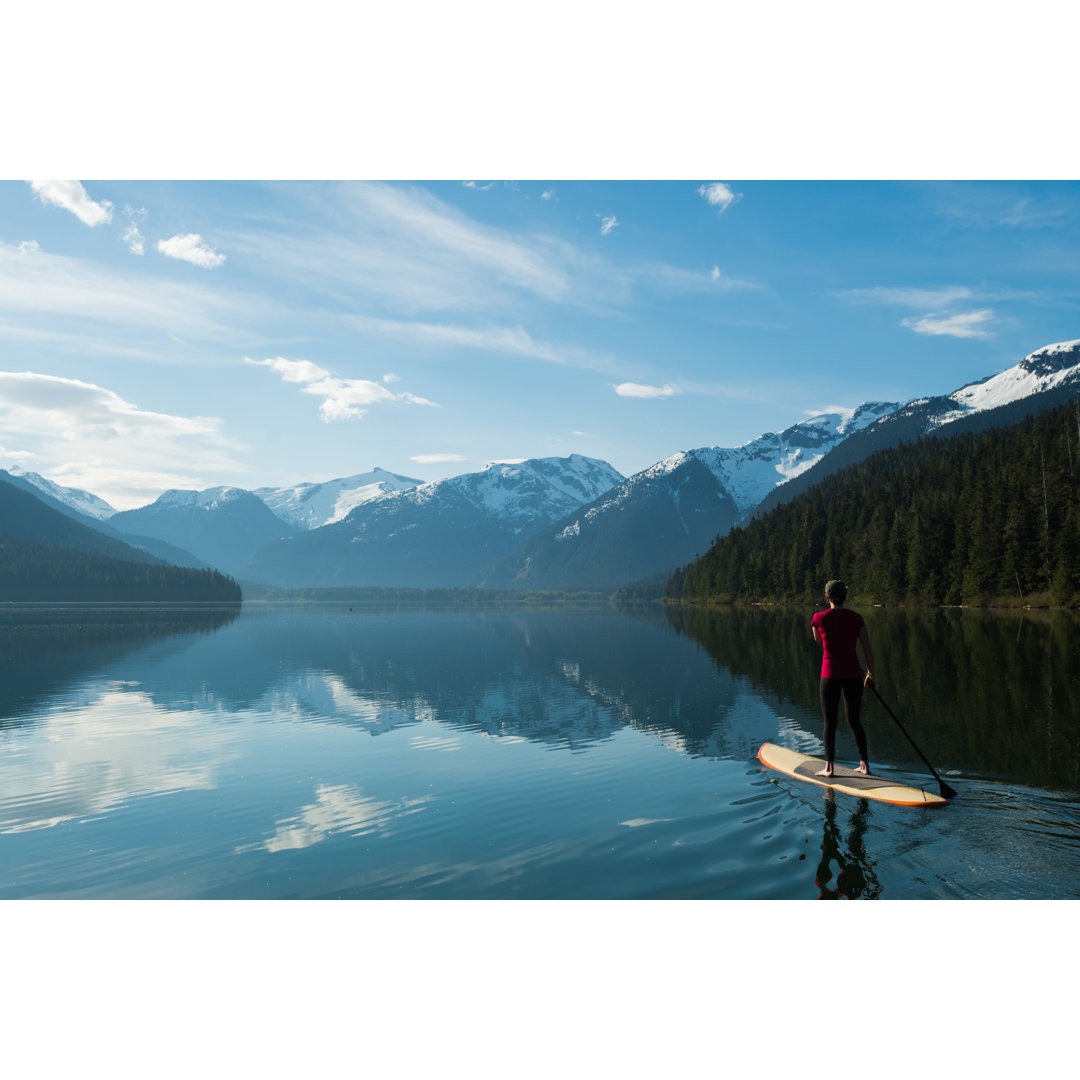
(838, 630)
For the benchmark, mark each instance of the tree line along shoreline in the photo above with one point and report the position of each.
(987, 519)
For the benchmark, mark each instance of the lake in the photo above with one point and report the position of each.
(349, 751)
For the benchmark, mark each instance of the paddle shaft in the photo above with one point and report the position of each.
(946, 791)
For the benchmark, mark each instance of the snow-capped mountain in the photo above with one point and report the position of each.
(671, 512)
(552, 522)
(1043, 379)
(1049, 368)
(82, 501)
(307, 506)
(440, 534)
(666, 514)
(749, 472)
(223, 525)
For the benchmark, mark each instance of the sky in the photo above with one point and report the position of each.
(183, 334)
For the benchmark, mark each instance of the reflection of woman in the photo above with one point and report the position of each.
(838, 630)
(855, 872)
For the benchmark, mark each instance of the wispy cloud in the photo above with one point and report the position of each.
(719, 195)
(71, 195)
(342, 399)
(84, 435)
(638, 390)
(436, 459)
(131, 236)
(417, 217)
(191, 248)
(939, 322)
(38, 284)
(969, 324)
(904, 296)
(133, 239)
(514, 340)
(403, 251)
(478, 187)
(548, 195)
(667, 278)
(406, 251)
(607, 224)
(992, 206)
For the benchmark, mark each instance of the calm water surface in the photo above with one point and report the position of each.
(281, 751)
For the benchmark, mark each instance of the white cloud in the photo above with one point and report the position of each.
(83, 435)
(607, 224)
(637, 390)
(131, 236)
(151, 750)
(18, 456)
(342, 399)
(71, 195)
(478, 187)
(133, 239)
(191, 248)
(547, 195)
(966, 325)
(719, 195)
(435, 459)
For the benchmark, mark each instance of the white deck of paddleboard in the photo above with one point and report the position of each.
(881, 788)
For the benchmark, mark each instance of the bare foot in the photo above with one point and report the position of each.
(864, 768)
(827, 771)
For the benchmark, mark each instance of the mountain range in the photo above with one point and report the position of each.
(549, 523)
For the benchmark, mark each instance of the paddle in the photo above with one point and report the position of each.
(946, 791)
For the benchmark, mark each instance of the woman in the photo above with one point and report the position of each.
(838, 630)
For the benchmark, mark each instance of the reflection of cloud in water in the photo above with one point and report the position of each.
(338, 808)
(324, 694)
(94, 757)
(636, 823)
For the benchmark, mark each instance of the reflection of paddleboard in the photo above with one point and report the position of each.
(803, 767)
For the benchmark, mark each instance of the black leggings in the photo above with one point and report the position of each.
(851, 689)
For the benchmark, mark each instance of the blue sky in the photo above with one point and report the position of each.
(187, 334)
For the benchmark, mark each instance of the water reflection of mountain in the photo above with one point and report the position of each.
(567, 679)
(46, 649)
(564, 678)
(981, 692)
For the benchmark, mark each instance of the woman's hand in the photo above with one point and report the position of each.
(869, 680)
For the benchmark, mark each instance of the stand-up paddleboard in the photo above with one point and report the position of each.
(850, 782)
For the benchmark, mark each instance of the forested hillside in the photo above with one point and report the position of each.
(46, 556)
(971, 519)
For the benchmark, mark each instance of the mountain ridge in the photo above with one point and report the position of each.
(440, 534)
(574, 522)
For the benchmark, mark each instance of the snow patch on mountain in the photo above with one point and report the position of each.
(82, 501)
(1038, 372)
(749, 472)
(309, 506)
(209, 499)
(520, 493)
